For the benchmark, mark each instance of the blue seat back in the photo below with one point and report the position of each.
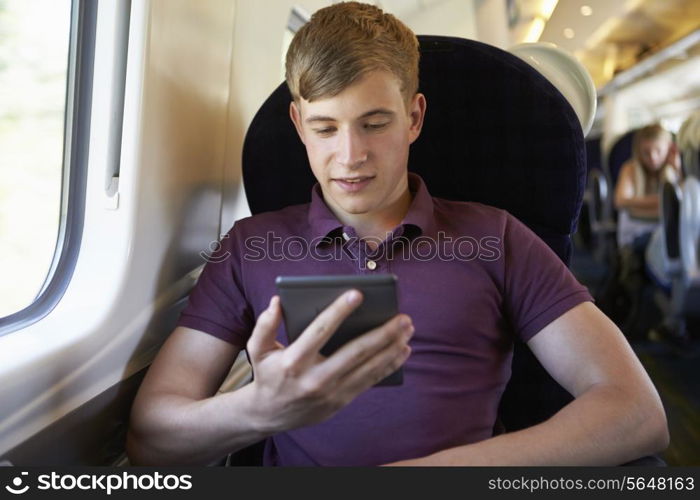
(594, 155)
(619, 154)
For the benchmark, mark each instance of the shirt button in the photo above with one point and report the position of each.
(371, 265)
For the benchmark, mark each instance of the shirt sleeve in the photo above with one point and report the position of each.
(217, 304)
(538, 286)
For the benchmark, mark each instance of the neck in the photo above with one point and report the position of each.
(374, 226)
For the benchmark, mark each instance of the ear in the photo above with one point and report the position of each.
(295, 115)
(416, 116)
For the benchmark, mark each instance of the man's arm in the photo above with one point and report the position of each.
(617, 415)
(177, 397)
(178, 418)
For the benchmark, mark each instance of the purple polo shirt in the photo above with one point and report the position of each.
(471, 276)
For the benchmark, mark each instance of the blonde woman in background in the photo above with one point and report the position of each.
(654, 159)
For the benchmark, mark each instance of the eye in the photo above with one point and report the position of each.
(325, 131)
(376, 126)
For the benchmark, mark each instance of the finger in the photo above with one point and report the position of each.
(263, 338)
(314, 337)
(361, 350)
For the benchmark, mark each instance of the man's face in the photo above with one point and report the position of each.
(653, 153)
(357, 143)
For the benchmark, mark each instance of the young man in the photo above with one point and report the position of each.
(353, 74)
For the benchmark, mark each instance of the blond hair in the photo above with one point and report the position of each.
(342, 43)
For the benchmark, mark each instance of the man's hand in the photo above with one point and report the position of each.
(673, 157)
(295, 386)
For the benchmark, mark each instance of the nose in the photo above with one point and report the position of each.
(656, 157)
(351, 150)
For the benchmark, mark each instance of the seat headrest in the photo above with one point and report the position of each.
(619, 154)
(671, 196)
(495, 131)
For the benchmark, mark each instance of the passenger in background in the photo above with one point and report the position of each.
(673, 329)
(655, 159)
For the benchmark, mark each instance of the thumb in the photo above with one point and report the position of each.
(263, 339)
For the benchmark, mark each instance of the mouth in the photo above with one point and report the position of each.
(353, 184)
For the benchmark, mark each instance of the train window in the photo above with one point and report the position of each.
(46, 49)
(33, 70)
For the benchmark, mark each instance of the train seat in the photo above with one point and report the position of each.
(620, 152)
(593, 164)
(690, 247)
(681, 234)
(689, 219)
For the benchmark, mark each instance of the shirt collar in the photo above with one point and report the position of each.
(322, 221)
(420, 213)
